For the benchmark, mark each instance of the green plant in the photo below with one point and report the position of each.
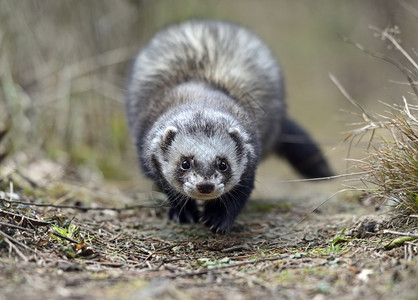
(68, 232)
(335, 246)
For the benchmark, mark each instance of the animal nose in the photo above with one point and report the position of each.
(205, 188)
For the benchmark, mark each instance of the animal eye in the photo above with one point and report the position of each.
(223, 166)
(185, 165)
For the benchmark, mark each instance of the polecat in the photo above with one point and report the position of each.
(204, 104)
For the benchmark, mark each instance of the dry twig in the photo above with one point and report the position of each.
(405, 71)
(415, 235)
(5, 235)
(23, 219)
(78, 207)
(391, 167)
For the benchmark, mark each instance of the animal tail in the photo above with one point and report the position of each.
(296, 145)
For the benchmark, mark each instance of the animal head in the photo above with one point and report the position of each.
(202, 161)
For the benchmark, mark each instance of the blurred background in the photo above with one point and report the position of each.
(64, 66)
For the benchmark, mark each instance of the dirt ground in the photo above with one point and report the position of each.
(277, 249)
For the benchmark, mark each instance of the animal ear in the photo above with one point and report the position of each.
(236, 136)
(168, 137)
(234, 131)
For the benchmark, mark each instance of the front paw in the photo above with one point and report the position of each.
(217, 221)
(184, 212)
(216, 225)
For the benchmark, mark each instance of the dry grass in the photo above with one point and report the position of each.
(391, 166)
(58, 71)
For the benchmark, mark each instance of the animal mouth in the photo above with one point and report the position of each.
(204, 196)
(203, 191)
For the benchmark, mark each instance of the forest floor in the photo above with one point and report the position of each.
(96, 242)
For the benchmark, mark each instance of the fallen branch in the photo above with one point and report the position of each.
(408, 234)
(6, 236)
(16, 227)
(23, 219)
(22, 256)
(83, 208)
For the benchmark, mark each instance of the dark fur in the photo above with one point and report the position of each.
(233, 72)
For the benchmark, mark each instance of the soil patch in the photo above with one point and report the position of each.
(276, 249)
